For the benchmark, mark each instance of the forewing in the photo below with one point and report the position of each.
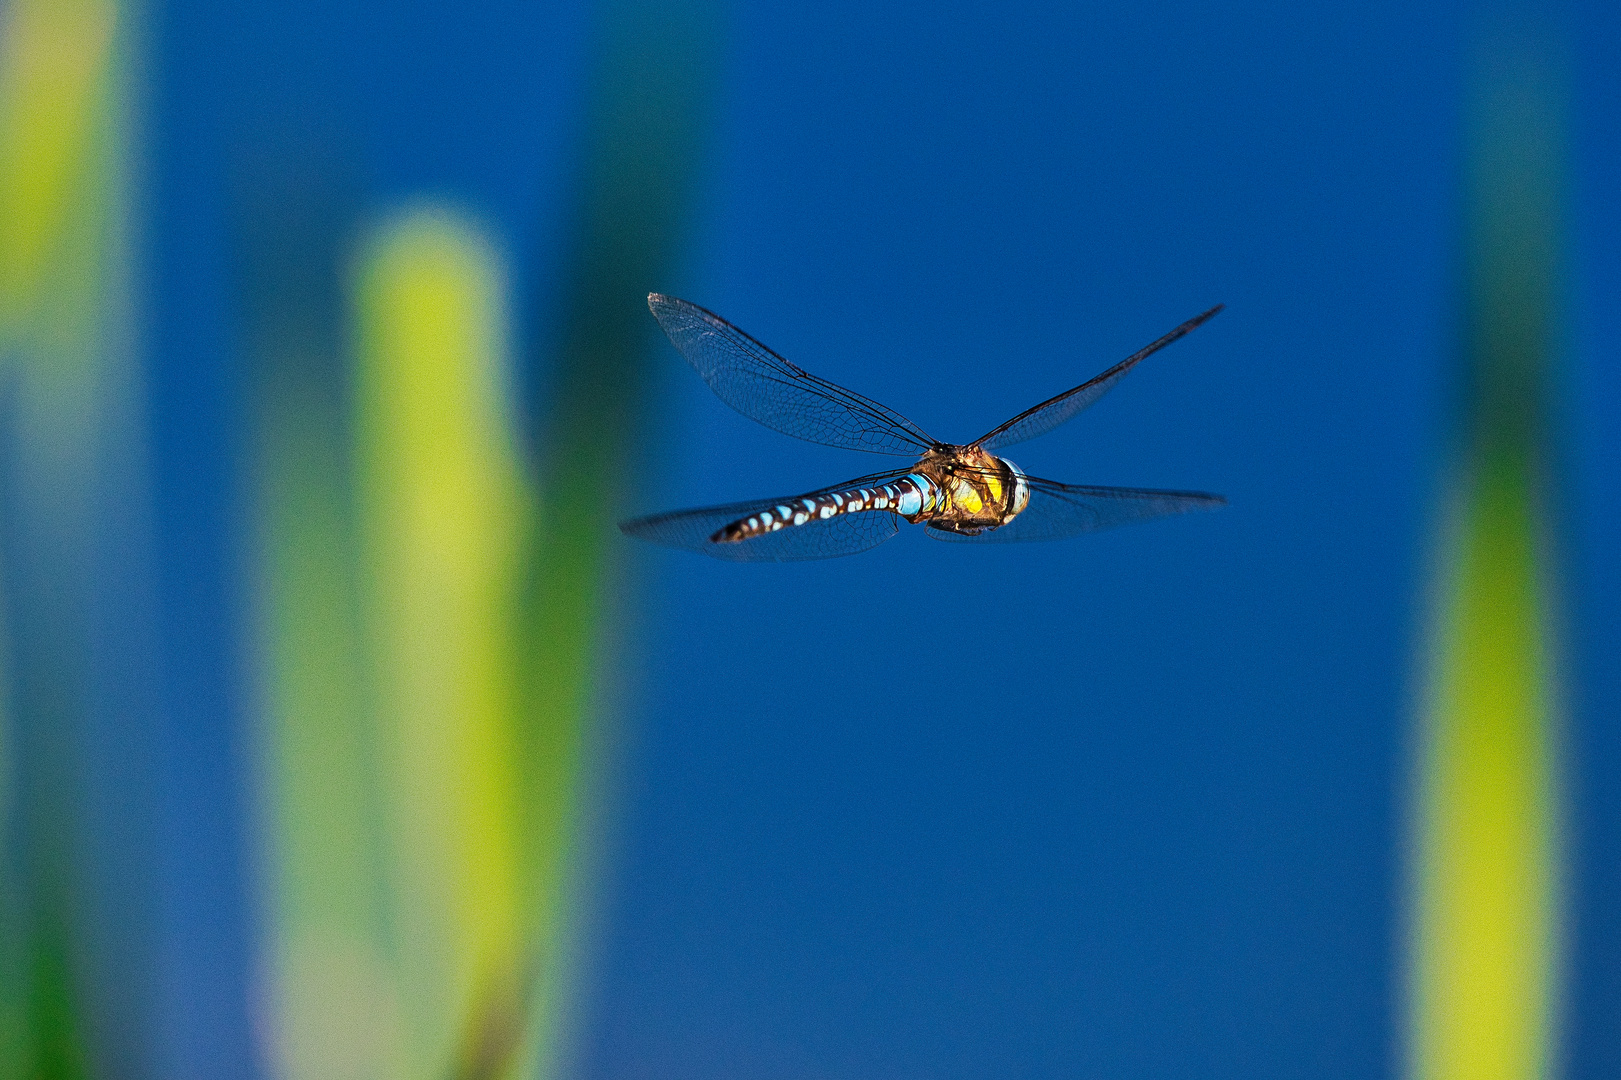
(1059, 510)
(843, 534)
(1049, 414)
(765, 387)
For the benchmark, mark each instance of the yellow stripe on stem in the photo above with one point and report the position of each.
(443, 514)
(1486, 917)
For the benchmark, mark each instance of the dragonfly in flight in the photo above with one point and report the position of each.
(957, 492)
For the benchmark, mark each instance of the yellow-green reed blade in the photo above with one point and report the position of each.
(330, 987)
(73, 453)
(56, 81)
(1485, 948)
(443, 513)
(646, 126)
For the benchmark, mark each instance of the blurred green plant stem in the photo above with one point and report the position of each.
(330, 985)
(1486, 919)
(647, 124)
(433, 605)
(74, 914)
(444, 510)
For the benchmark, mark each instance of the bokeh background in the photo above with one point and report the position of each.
(342, 735)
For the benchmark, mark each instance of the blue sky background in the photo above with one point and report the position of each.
(1127, 806)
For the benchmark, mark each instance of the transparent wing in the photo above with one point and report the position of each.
(1049, 414)
(764, 387)
(827, 538)
(1060, 510)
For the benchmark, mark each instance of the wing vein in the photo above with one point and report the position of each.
(772, 390)
(1042, 418)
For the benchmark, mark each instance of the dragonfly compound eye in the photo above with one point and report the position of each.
(1021, 488)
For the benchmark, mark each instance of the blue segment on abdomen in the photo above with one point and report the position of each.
(912, 499)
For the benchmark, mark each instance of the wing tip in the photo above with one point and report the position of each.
(638, 527)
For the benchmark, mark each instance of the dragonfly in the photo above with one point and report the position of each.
(961, 492)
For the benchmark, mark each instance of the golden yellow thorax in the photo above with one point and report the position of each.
(974, 486)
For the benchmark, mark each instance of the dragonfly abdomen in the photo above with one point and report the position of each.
(909, 496)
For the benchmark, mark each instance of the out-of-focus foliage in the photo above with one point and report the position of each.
(429, 640)
(429, 581)
(443, 515)
(1487, 915)
(76, 833)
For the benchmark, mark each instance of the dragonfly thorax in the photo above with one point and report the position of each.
(974, 489)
